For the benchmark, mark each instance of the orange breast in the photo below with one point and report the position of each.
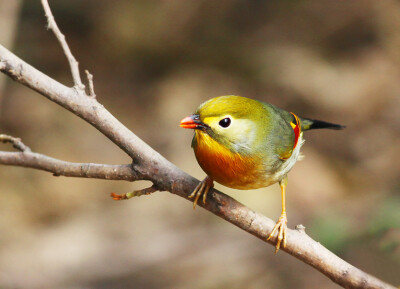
(228, 168)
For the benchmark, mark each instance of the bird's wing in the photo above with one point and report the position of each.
(281, 137)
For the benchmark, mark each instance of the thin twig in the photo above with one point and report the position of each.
(16, 142)
(137, 193)
(89, 77)
(74, 65)
(57, 167)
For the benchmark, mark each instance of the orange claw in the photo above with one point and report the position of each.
(118, 197)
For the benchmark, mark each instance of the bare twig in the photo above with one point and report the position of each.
(90, 82)
(42, 162)
(16, 142)
(137, 193)
(150, 165)
(74, 65)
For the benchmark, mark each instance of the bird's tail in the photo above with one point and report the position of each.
(307, 124)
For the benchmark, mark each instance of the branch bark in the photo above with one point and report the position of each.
(68, 169)
(74, 65)
(16, 142)
(150, 165)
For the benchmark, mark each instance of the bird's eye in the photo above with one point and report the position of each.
(225, 122)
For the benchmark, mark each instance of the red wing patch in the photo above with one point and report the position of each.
(297, 130)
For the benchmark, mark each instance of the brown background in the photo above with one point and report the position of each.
(153, 63)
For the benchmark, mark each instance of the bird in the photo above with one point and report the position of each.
(244, 144)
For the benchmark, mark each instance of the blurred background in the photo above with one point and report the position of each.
(153, 63)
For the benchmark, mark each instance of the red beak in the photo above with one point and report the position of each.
(188, 122)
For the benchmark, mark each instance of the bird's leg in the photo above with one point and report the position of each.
(281, 226)
(202, 189)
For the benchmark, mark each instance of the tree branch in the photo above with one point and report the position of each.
(57, 167)
(150, 165)
(16, 142)
(90, 82)
(74, 65)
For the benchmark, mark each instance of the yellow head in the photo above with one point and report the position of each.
(235, 122)
(228, 140)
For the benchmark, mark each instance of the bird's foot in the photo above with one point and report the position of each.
(280, 228)
(202, 189)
